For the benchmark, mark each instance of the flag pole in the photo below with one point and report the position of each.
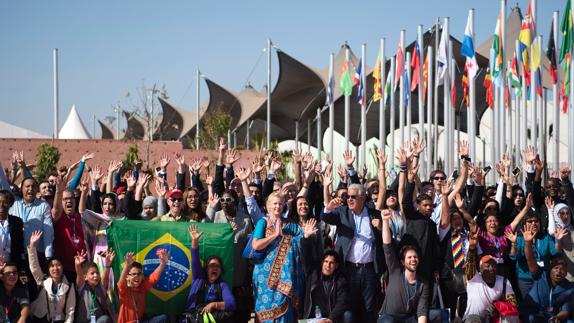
(502, 91)
(523, 104)
(268, 94)
(393, 117)
(309, 135)
(421, 89)
(56, 93)
(471, 126)
(296, 134)
(402, 92)
(363, 151)
(408, 92)
(347, 103)
(197, 87)
(331, 107)
(430, 134)
(319, 134)
(446, 101)
(382, 116)
(435, 104)
(555, 100)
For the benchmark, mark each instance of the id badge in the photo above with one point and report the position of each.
(540, 264)
(92, 318)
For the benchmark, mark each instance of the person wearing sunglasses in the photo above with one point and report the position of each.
(175, 202)
(242, 226)
(13, 297)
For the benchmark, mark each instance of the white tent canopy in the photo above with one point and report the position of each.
(11, 131)
(73, 128)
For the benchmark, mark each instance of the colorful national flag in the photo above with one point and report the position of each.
(357, 77)
(345, 81)
(465, 86)
(377, 88)
(425, 76)
(399, 66)
(388, 88)
(467, 49)
(144, 238)
(551, 54)
(453, 89)
(415, 63)
(489, 90)
(539, 82)
(330, 87)
(442, 58)
(361, 97)
(567, 32)
(514, 77)
(535, 52)
(496, 53)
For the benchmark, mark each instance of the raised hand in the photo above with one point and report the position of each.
(327, 178)
(529, 201)
(222, 144)
(36, 235)
(195, 165)
(205, 162)
(307, 161)
(163, 255)
(256, 166)
(131, 180)
(511, 236)
(538, 164)
(164, 161)
(401, 156)
(179, 159)
(382, 158)
(194, 234)
(459, 201)
(143, 180)
(243, 174)
(84, 187)
(506, 162)
(114, 166)
(160, 187)
(445, 188)
(479, 176)
(334, 203)
(96, 174)
(129, 258)
(297, 156)
(275, 165)
(87, 157)
(341, 171)
(473, 238)
(560, 233)
(529, 154)
(528, 232)
(413, 172)
(463, 148)
(418, 146)
(213, 201)
(80, 257)
(549, 202)
(565, 171)
(309, 228)
(386, 214)
(349, 158)
(209, 180)
(110, 255)
(231, 157)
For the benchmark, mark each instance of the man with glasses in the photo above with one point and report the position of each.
(175, 203)
(13, 298)
(360, 249)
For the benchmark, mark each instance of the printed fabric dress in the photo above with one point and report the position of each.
(278, 281)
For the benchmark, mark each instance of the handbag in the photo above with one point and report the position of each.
(257, 256)
(504, 312)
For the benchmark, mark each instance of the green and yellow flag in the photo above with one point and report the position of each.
(567, 32)
(144, 238)
(345, 81)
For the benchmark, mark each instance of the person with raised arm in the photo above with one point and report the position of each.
(92, 301)
(133, 287)
(209, 293)
(56, 301)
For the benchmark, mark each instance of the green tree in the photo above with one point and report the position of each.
(132, 156)
(47, 157)
(214, 125)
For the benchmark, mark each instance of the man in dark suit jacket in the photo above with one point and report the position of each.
(359, 245)
(11, 227)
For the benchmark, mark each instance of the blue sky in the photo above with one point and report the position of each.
(108, 48)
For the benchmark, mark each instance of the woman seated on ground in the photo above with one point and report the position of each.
(56, 301)
(208, 293)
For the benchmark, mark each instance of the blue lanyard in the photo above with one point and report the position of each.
(5, 234)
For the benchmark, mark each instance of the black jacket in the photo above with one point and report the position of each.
(332, 303)
(16, 227)
(343, 218)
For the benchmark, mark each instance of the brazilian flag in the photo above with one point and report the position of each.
(144, 238)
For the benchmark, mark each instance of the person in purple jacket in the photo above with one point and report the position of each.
(208, 293)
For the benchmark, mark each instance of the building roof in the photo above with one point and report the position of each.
(73, 128)
(11, 131)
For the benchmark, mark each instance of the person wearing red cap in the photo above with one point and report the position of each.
(484, 289)
(175, 203)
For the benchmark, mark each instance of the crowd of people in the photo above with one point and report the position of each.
(385, 248)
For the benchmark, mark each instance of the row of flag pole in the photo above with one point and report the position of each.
(513, 89)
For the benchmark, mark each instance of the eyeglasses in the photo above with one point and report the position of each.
(439, 178)
(11, 273)
(178, 199)
(135, 274)
(226, 200)
(354, 197)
